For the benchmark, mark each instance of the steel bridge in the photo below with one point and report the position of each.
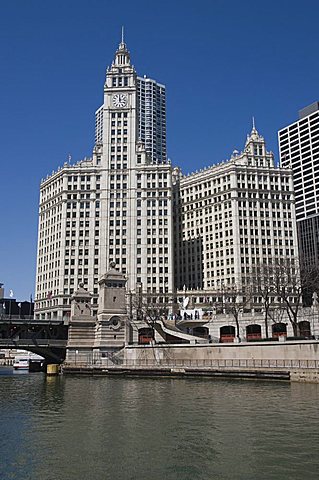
(47, 338)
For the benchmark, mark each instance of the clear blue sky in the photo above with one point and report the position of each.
(221, 61)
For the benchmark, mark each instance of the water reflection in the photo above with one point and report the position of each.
(99, 428)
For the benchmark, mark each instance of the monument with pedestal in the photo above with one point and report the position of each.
(112, 318)
(82, 326)
(92, 338)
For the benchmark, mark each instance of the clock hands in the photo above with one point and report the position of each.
(119, 100)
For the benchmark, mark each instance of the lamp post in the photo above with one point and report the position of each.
(315, 316)
(30, 306)
(265, 313)
(10, 301)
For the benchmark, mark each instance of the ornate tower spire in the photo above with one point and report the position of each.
(255, 143)
(122, 55)
(254, 135)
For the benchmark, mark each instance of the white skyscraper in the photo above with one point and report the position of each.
(151, 125)
(115, 206)
(152, 118)
(232, 219)
(118, 207)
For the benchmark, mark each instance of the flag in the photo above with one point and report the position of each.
(50, 294)
(31, 298)
(19, 305)
(11, 293)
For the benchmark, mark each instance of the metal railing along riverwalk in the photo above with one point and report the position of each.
(89, 361)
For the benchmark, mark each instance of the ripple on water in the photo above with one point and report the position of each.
(98, 428)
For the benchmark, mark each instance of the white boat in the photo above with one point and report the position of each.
(23, 361)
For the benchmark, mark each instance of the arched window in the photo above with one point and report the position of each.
(279, 330)
(304, 329)
(227, 334)
(253, 332)
(145, 335)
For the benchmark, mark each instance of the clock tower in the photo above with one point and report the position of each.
(136, 189)
(115, 206)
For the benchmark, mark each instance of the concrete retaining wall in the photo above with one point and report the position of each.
(308, 376)
(295, 361)
(296, 350)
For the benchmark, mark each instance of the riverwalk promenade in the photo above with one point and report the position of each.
(289, 361)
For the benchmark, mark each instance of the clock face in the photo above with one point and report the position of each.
(119, 100)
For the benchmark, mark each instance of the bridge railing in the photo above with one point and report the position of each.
(30, 318)
(13, 318)
(25, 342)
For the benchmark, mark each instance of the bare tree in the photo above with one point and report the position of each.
(290, 285)
(235, 300)
(148, 308)
(262, 285)
(277, 312)
(262, 288)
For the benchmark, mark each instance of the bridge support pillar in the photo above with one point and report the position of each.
(53, 369)
(112, 316)
(98, 340)
(81, 329)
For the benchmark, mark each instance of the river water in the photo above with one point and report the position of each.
(100, 428)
